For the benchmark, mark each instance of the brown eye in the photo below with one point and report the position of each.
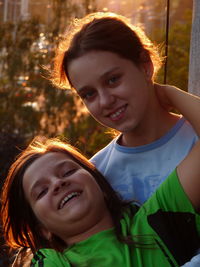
(113, 80)
(88, 95)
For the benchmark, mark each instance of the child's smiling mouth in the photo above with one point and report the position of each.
(67, 198)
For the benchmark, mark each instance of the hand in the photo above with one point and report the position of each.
(161, 93)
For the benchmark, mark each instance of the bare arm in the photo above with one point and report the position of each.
(189, 175)
(189, 169)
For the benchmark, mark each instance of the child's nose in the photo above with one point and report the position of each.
(58, 185)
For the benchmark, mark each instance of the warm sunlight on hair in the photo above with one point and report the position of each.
(42, 145)
(104, 31)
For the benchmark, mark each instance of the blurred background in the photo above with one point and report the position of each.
(29, 105)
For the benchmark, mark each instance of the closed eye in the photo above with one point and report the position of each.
(42, 193)
(69, 172)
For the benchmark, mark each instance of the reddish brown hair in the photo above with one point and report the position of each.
(105, 32)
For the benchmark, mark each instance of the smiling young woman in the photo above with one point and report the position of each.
(111, 64)
(111, 93)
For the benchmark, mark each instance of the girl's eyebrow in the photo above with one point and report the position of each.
(107, 73)
(103, 76)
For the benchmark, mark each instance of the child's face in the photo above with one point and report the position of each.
(114, 90)
(64, 197)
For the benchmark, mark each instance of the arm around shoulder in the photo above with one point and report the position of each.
(189, 169)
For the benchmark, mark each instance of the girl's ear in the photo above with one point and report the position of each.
(146, 66)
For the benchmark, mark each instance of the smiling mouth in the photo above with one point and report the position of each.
(117, 114)
(68, 198)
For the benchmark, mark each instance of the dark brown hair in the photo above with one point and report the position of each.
(20, 225)
(105, 32)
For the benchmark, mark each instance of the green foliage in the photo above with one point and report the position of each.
(178, 60)
(178, 50)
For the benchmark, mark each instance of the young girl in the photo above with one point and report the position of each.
(56, 202)
(112, 64)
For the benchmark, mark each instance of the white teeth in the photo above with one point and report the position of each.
(73, 194)
(117, 113)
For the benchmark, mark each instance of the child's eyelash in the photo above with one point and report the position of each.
(69, 172)
(42, 193)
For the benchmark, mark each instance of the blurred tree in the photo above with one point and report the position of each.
(179, 45)
(178, 55)
(29, 105)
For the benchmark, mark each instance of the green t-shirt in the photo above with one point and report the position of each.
(166, 225)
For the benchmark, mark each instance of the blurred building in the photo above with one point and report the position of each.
(12, 10)
(15, 10)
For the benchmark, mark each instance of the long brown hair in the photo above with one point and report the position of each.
(20, 225)
(105, 32)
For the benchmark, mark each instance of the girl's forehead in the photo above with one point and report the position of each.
(93, 66)
(49, 161)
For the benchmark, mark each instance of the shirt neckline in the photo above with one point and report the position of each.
(157, 143)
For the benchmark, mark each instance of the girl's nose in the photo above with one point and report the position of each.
(106, 99)
(58, 185)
